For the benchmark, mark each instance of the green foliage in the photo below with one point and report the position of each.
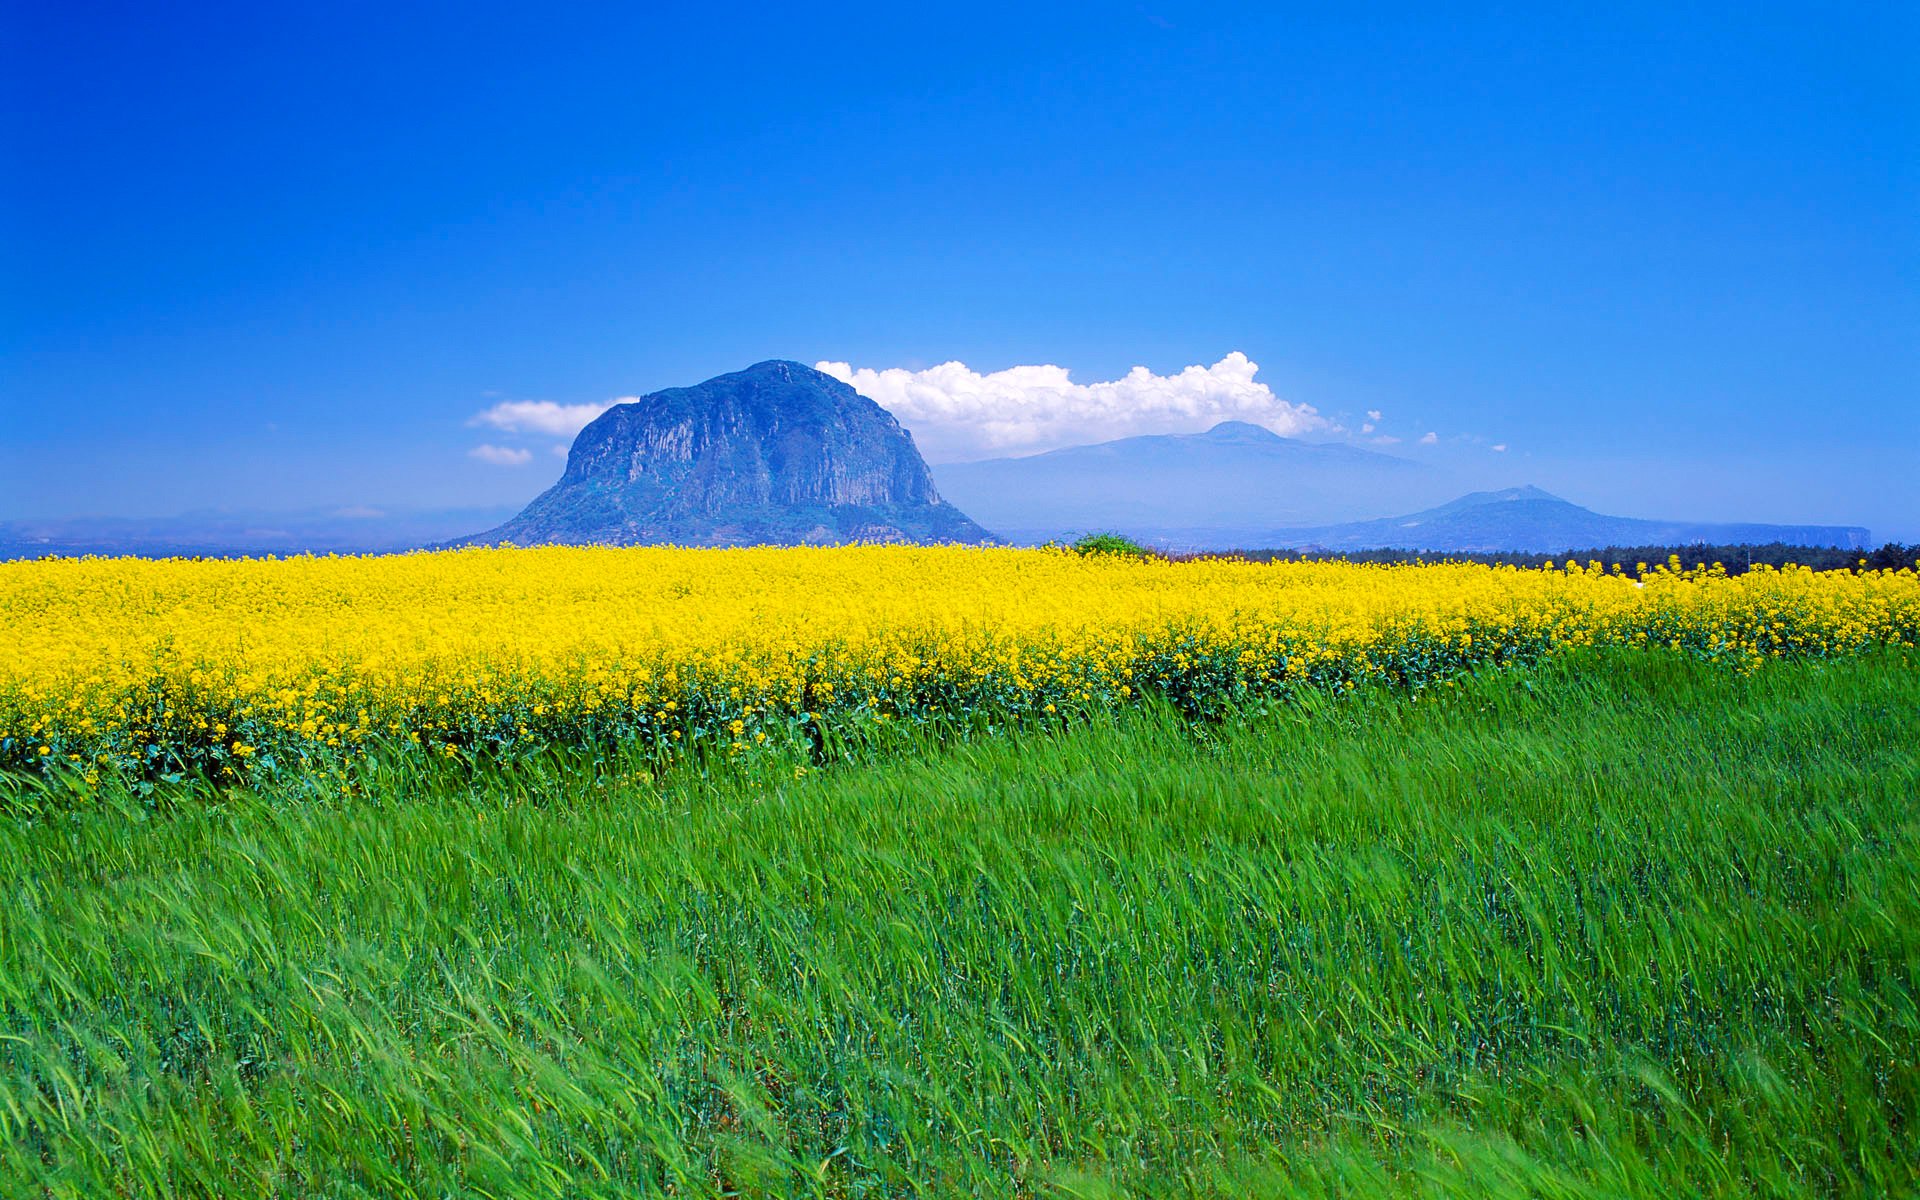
(1110, 543)
(1622, 924)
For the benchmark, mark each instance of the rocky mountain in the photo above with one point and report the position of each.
(1528, 520)
(1203, 490)
(775, 454)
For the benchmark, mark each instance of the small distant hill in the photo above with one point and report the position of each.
(776, 454)
(1218, 488)
(1529, 520)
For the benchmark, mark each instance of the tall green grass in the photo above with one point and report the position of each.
(1621, 925)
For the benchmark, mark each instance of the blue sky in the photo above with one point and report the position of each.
(262, 257)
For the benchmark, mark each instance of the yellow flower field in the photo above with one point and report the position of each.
(241, 666)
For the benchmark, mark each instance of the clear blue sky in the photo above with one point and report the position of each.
(274, 256)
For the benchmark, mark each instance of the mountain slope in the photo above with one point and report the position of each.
(1216, 487)
(1526, 519)
(778, 453)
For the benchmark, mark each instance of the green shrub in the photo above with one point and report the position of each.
(1110, 543)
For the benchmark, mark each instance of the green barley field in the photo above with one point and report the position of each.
(1617, 925)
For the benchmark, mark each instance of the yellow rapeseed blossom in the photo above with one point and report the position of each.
(262, 665)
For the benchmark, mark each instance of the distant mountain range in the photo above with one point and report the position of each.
(222, 534)
(1241, 486)
(776, 454)
(1528, 520)
(1211, 489)
(781, 453)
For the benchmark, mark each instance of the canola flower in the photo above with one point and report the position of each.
(238, 668)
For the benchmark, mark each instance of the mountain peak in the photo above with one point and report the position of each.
(776, 369)
(1241, 431)
(776, 453)
(1512, 495)
(1524, 492)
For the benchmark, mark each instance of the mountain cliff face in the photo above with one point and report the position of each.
(776, 454)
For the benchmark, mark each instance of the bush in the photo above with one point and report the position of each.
(1110, 543)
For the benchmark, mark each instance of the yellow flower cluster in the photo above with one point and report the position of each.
(242, 666)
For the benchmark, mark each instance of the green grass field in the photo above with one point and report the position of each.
(1623, 925)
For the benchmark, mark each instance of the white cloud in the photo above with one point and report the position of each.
(1386, 439)
(502, 456)
(358, 512)
(1500, 447)
(1373, 414)
(543, 416)
(1367, 427)
(1430, 439)
(957, 413)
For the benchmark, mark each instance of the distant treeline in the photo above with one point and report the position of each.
(1736, 559)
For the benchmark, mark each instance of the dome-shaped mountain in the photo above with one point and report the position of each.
(776, 454)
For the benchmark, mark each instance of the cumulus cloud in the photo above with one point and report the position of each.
(1367, 427)
(502, 456)
(957, 413)
(1500, 447)
(1373, 414)
(1430, 439)
(543, 416)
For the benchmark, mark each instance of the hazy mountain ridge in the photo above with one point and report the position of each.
(1236, 478)
(783, 454)
(225, 534)
(1527, 519)
(776, 454)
